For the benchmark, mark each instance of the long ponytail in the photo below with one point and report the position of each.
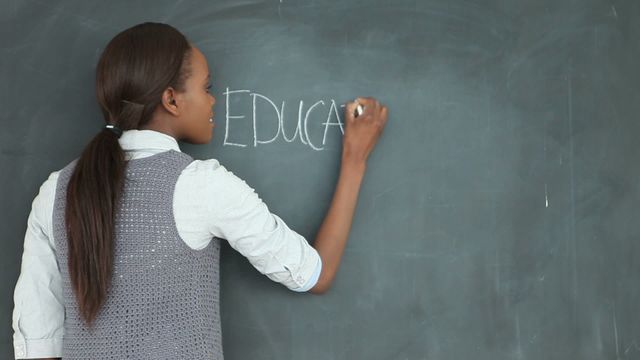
(135, 68)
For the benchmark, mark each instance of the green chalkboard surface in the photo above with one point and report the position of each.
(499, 218)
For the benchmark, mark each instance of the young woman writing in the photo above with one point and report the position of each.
(121, 252)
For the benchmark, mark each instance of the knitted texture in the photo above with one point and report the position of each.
(164, 297)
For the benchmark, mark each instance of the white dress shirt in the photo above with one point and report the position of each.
(209, 201)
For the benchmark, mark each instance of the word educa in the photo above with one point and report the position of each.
(302, 127)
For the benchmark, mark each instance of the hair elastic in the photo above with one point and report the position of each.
(116, 130)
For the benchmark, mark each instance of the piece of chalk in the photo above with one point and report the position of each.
(359, 110)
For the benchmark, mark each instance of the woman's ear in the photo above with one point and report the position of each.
(169, 101)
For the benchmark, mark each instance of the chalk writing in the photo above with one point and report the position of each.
(301, 132)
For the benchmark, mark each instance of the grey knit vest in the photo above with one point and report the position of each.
(164, 298)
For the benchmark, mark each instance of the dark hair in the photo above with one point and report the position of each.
(134, 69)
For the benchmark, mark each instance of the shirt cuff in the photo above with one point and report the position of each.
(313, 279)
(37, 348)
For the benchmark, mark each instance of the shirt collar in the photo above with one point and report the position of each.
(132, 140)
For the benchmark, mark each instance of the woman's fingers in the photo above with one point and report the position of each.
(362, 131)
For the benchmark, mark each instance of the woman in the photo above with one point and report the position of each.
(121, 253)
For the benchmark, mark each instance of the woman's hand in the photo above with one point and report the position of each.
(362, 132)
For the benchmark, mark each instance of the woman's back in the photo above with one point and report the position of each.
(164, 296)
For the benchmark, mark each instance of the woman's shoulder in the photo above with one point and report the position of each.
(203, 166)
(210, 176)
(49, 185)
(208, 170)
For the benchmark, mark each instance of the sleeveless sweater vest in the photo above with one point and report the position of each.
(163, 302)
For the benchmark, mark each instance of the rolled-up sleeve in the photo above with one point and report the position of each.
(244, 220)
(38, 313)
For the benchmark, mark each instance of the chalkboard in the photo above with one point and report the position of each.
(499, 215)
